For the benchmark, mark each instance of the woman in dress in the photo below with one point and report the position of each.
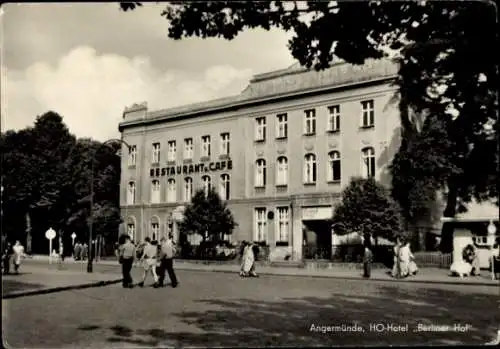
(404, 258)
(248, 262)
(18, 250)
(396, 266)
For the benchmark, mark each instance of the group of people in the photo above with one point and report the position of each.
(12, 255)
(248, 254)
(156, 259)
(404, 260)
(80, 251)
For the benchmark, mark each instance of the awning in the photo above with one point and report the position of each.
(477, 212)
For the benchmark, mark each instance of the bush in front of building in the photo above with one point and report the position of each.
(208, 216)
(367, 208)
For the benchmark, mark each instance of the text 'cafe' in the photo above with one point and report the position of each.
(191, 168)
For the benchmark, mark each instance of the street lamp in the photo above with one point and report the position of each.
(91, 218)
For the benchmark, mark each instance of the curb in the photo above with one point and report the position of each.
(359, 278)
(60, 289)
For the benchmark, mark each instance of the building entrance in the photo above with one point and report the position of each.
(317, 239)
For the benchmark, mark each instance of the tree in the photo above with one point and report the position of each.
(448, 67)
(367, 208)
(208, 216)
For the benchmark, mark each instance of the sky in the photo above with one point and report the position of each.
(87, 62)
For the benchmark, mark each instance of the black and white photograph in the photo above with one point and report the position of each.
(221, 174)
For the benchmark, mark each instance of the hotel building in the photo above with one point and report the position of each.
(280, 153)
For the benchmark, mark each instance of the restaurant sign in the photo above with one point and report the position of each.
(191, 168)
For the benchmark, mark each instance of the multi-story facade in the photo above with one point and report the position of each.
(280, 153)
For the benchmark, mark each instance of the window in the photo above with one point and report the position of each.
(132, 155)
(260, 224)
(206, 184)
(225, 189)
(155, 229)
(188, 188)
(282, 171)
(283, 223)
(310, 168)
(334, 118)
(155, 156)
(368, 162)
(131, 230)
(155, 191)
(131, 193)
(334, 167)
(310, 122)
(205, 146)
(367, 114)
(172, 148)
(171, 190)
(224, 143)
(281, 126)
(260, 129)
(188, 148)
(260, 173)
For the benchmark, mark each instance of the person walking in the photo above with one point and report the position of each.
(367, 258)
(126, 258)
(18, 250)
(396, 268)
(7, 257)
(148, 260)
(167, 261)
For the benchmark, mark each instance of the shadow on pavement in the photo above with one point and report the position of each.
(289, 322)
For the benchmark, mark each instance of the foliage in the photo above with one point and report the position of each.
(45, 175)
(208, 216)
(448, 70)
(367, 208)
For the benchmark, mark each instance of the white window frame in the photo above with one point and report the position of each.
(334, 118)
(310, 169)
(260, 173)
(131, 230)
(131, 192)
(260, 128)
(368, 165)
(225, 186)
(282, 125)
(132, 155)
(282, 224)
(188, 189)
(155, 230)
(282, 170)
(155, 191)
(205, 146)
(172, 149)
(207, 183)
(171, 190)
(334, 156)
(310, 122)
(188, 148)
(260, 224)
(368, 113)
(155, 154)
(225, 145)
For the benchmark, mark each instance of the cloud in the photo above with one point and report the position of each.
(90, 90)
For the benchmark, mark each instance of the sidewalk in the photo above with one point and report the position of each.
(37, 279)
(425, 275)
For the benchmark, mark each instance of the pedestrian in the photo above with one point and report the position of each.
(77, 251)
(367, 258)
(126, 259)
(248, 266)
(7, 257)
(148, 260)
(18, 250)
(404, 258)
(167, 261)
(396, 268)
(85, 251)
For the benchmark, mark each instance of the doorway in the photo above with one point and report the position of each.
(317, 239)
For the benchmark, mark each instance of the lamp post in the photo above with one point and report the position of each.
(492, 229)
(91, 218)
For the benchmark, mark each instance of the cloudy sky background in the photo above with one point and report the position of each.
(88, 61)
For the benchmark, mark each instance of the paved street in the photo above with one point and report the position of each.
(221, 309)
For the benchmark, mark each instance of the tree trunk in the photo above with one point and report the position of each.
(28, 233)
(451, 201)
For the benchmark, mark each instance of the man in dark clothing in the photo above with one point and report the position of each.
(167, 261)
(126, 255)
(367, 256)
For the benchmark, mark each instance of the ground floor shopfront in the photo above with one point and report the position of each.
(295, 227)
